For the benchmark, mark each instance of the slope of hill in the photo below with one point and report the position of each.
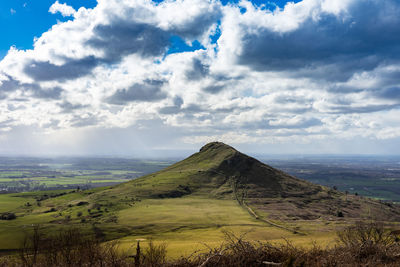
(193, 200)
(219, 171)
(216, 170)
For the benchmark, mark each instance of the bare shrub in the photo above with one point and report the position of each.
(8, 216)
(70, 247)
(236, 251)
(154, 255)
(7, 261)
(368, 241)
(362, 244)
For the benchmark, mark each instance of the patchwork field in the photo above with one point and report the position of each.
(185, 224)
(33, 174)
(191, 205)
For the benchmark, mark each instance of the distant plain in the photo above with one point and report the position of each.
(371, 176)
(186, 224)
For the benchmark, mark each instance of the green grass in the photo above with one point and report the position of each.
(187, 223)
(182, 222)
(146, 208)
(172, 214)
(10, 202)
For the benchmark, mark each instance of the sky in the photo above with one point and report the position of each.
(160, 78)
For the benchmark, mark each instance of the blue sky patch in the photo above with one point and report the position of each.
(214, 38)
(22, 20)
(178, 45)
(269, 4)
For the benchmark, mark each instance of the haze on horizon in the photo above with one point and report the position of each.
(150, 78)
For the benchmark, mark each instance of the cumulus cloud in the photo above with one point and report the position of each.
(32, 89)
(69, 107)
(318, 41)
(64, 9)
(312, 70)
(149, 90)
(121, 38)
(46, 71)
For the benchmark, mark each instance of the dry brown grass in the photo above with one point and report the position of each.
(358, 245)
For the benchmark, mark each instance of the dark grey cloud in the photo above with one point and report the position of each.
(213, 89)
(387, 85)
(20, 99)
(347, 109)
(345, 89)
(198, 70)
(178, 101)
(122, 38)
(173, 109)
(388, 78)
(198, 25)
(220, 80)
(9, 85)
(116, 41)
(34, 89)
(52, 93)
(72, 69)
(119, 38)
(330, 48)
(289, 99)
(390, 93)
(68, 107)
(149, 90)
(227, 77)
(193, 108)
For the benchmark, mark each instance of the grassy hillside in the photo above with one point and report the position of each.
(191, 202)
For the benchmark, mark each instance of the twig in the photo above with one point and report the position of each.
(209, 258)
(272, 263)
(220, 253)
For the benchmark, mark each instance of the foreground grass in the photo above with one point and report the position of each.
(357, 245)
(186, 223)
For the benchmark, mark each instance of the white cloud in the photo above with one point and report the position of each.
(314, 70)
(64, 9)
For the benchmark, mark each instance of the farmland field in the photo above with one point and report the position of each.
(31, 174)
(150, 209)
(371, 176)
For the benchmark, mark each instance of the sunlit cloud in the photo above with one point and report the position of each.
(240, 73)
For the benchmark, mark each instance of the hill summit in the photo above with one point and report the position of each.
(221, 172)
(249, 174)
